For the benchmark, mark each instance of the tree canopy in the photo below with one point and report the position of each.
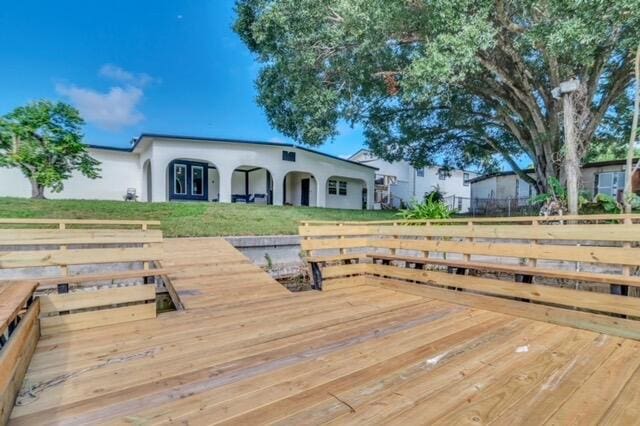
(44, 140)
(457, 81)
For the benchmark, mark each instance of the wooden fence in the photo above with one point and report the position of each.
(595, 253)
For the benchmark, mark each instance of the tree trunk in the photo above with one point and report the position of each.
(629, 170)
(37, 190)
(571, 162)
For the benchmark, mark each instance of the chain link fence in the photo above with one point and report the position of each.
(492, 206)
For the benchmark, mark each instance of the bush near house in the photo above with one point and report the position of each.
(189, 219)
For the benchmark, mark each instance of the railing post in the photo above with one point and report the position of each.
(623, 290)
(395, 237)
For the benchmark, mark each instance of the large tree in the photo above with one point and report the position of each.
(44, 140)
(454, 81)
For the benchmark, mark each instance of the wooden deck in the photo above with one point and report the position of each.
(214, 273)
(246, 351)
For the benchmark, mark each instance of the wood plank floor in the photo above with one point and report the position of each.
(361, 355)
(215, 273)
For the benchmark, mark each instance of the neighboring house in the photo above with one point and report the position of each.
(398, 183)
(167, 168)
(603, 177)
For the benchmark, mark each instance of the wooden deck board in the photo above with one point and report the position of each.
(246, 351)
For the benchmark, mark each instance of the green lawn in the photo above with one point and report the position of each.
(187, 219)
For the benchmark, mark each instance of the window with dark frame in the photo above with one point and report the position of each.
(180, 179)
(288, 156)
(465, 178)
(442, 175)
(420, 172)
(197, 177)
(342, 188)
(332, 187)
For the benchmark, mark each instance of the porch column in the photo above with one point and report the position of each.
(321, 191)
(371, 187)
(159, 181)
(278, 195)
(224, 176)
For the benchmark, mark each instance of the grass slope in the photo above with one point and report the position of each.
(188, 219)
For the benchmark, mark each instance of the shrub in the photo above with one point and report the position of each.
(432, 208)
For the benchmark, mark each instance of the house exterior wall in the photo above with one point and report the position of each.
(147, 170)
(486, 188)
(588, 178)
(119, 171)
(505, 186)
(227, 156)
(411, 186)
(353, 199)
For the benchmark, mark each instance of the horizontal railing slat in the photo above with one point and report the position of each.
(513, 219)
(614, 232)
(589, 254)
(93, 299)
(35, 221)
(16, 237)
(23, 259)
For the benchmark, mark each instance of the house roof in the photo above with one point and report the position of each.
(136, 141)
(584, 166)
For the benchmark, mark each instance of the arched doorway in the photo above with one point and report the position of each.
(192, 180)
(147, 184)
(251, 185)
(300, 189)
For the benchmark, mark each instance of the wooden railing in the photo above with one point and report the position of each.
(19, 333)
(94, 223)
(59, 257)
(583, 262)
(596, 218)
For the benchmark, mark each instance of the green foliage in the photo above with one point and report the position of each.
(44, 140)
(434, 196)
(464, 81)
(432, 208)
(557, 192)
(607, 203)
(558, 196)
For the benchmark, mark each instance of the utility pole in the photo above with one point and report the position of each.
(571, 163)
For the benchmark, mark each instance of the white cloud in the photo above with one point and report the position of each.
(111, 110)
(116, 108)
(116, 73)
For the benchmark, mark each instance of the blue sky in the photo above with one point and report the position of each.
(162, 66)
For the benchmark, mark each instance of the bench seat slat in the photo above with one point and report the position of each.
(519, 269)
(13, 297)
(336, 258)
(46, 283)
(567, 297)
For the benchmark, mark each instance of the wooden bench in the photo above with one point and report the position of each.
(51, 247)
(601, 249)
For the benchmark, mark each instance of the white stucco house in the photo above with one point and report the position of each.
(178, 168)
(399, 182)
